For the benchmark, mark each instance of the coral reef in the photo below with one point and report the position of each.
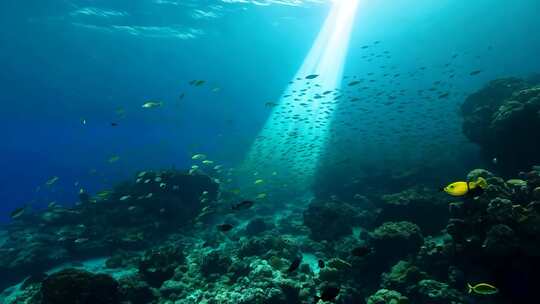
(78, 286)
(497, 228)
(132, 216)
(331, 220)
(135, 290)
(290, 257)
(158, 264)
(431, 291)
(257, 226)
(499, 118)
(430, 208)
(403, 276)
(385, 296)
(394, 240)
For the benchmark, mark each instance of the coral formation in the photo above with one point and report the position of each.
(78, 286)
(385, 296)
(393, 240)
(158, 264)
(430, 208)
(492, 237)
(331, 220)
(499, 118)
(130, 217)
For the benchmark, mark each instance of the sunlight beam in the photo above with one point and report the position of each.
(294, 136)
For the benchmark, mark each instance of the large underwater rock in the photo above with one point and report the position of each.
(81, 287)
(403, 277)
(502, 118)
(423, 206)
(331, 220)
(498, 232)
(215, 263)
(386, 296)
(135, 290)
(396, 240)
(132, 216)
(158, 264)
(435, 292)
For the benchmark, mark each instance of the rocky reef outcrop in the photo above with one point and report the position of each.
(498, 232)
(501, 118)
(79, 286)
(331, 220)
(158, 264)
(302, 253)
(394, 240)
(423, 206)
(132, 216)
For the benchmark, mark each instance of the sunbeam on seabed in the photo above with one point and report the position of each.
(294, 137)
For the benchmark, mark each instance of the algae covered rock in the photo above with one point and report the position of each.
(81, 287)
(159, 264)
(423, 206)
(435, 292)
(500, 209)
(403, 277)
(501, 240)
(215, 263)
(257, 226)
(393, 240)
(476, 173)
(499, 118)
(331, 220)
(133, 216)
(135, 290)
(385, 296)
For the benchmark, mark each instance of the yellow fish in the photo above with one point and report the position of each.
(261, 196)
(258, 182)
(464, 188)
(482, 289)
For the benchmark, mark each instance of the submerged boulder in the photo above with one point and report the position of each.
(423, 206)
(396, 240)
(133, 216)
(402, 277)
(79, 286)
(331, 220)
(434, 292)
(499, 118)
(215, 263)
(158, 265)
(135, 290)
(386, 296)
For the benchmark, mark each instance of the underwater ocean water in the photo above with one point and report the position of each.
(269, 151)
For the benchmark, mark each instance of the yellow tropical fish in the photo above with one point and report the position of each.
(258, 182)
(482, 289)
(464, 188)
(261, 196)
